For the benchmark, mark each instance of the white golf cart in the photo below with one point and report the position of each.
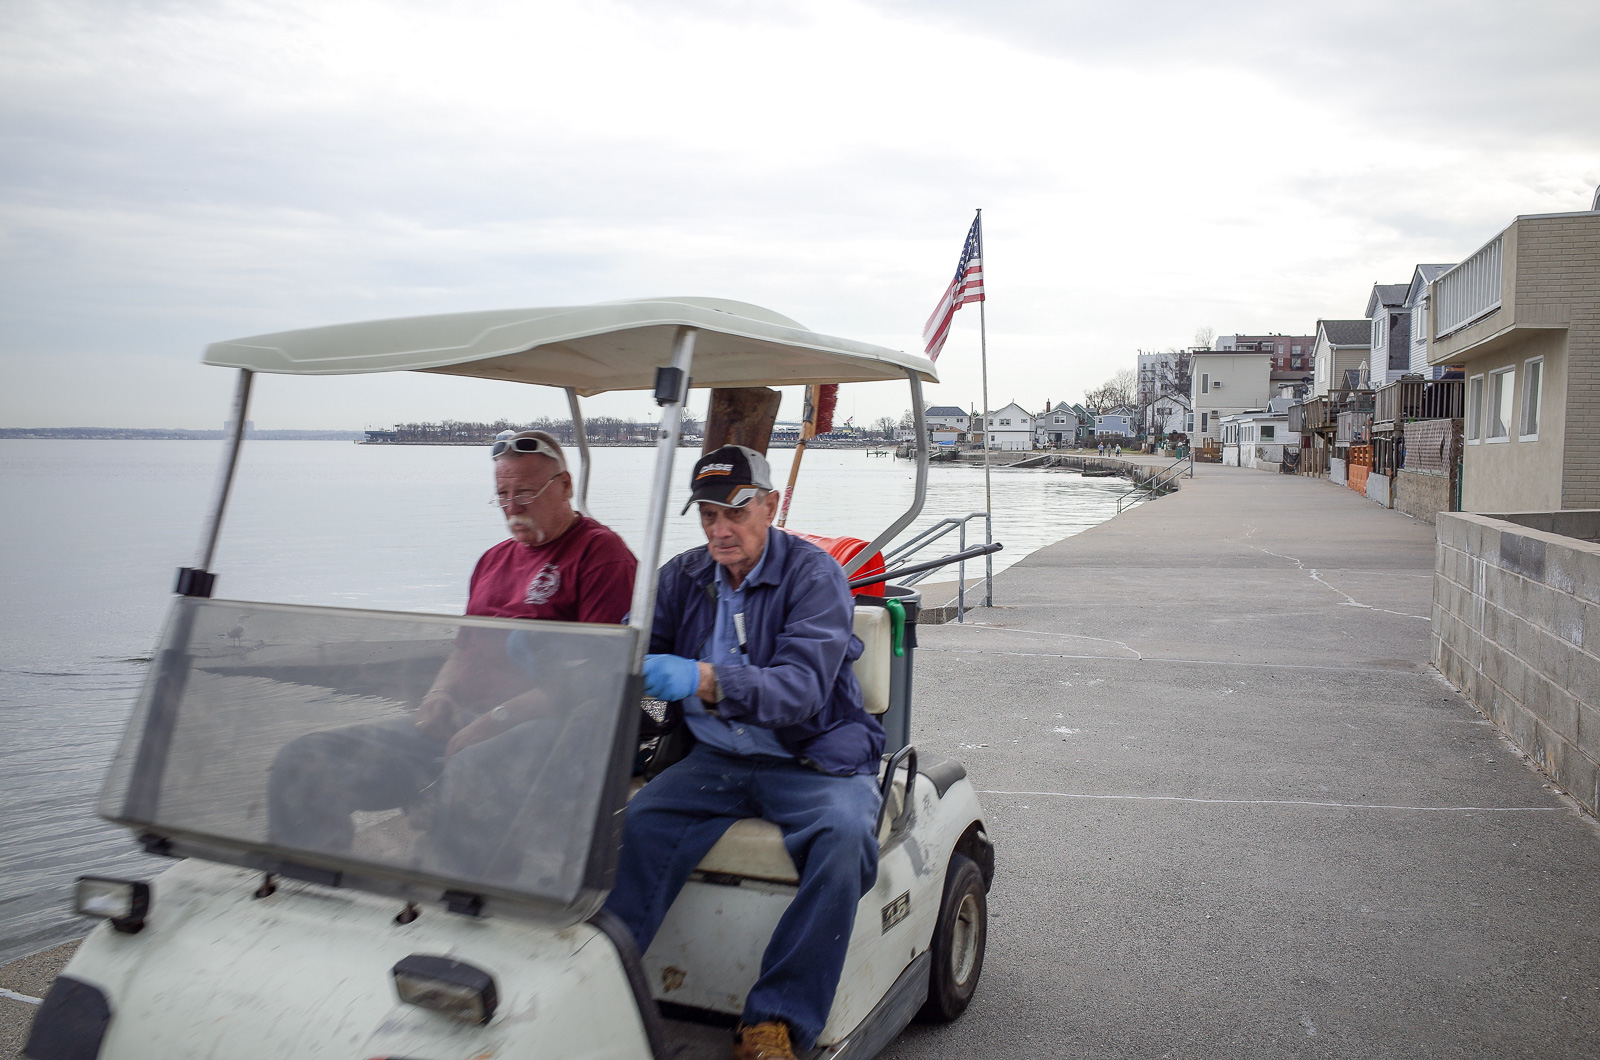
(490, 941)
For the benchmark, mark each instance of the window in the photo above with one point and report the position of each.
(1061, 419)
(1297, 364)
(1005, 422)
(1474, 409)
(1204, 423)
(1205, 385)
(1269, 433)
(1532, 382)
(1501, 384)
(1378, 330)
(1296, 350)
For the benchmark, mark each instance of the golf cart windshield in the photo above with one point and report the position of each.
(283, 738)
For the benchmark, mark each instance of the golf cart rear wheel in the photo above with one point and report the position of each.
(958, 941)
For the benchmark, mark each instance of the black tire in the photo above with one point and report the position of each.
(958, 942)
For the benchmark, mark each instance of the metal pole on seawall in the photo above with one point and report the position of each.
(988, 498)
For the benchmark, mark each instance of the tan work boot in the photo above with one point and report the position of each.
(762, 1041)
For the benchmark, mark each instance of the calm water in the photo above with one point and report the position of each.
(93, 531)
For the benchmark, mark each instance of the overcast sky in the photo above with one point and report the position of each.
(174, 173)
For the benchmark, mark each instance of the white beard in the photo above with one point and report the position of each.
(522, 522)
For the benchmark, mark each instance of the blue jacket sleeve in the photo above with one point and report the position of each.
(811, 644)
(664, 627)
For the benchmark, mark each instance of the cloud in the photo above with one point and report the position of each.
(1439, 69)
(179, 173)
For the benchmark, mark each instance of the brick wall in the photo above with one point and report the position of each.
(1516, 627)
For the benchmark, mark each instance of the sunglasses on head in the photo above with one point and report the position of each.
(520, 445)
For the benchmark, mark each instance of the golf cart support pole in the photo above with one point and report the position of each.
(919, 424)
(580, 434)
(672, 391)
(198, 580)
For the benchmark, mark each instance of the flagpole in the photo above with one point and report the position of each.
(988, 497)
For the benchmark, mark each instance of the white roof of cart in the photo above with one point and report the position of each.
(592, 348)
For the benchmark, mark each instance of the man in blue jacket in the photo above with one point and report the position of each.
(753, 635)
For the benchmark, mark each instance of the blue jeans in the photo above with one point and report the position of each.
(829, 829)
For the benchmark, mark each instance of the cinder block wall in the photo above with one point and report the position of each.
(1516, 627)
(1422, 495)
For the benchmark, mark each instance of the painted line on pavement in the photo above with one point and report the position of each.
(1181, 662)
(26, 999)
(1284, 802)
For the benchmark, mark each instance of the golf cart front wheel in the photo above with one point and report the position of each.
(958, 941)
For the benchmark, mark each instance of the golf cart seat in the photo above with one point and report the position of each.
(753, 848)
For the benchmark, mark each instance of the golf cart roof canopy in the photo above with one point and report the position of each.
(592, 349)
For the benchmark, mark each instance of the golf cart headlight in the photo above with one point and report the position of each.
(450, 987)
(123, 902)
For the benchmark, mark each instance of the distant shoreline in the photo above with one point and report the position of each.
(359, 437)
(171, 434)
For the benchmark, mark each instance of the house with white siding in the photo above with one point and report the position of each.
(1417, 305)
(1256, 438)
(1390, 334)
(1010, 428)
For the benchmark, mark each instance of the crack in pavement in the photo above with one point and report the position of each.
(1316, 576)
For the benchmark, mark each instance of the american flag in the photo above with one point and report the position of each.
(966, 287)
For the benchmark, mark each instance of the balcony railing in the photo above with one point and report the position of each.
(1416, 399)
(1468, 291)
(1355, 428)
(1318, 415)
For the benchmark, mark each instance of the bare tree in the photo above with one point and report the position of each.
(885, 425)
(1204, 336)
(1120, 389)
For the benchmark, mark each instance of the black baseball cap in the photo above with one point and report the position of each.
(729, 476)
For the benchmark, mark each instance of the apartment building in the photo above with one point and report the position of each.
(1223, 383)
(1291, 354)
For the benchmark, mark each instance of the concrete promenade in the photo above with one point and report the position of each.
(1237, 814)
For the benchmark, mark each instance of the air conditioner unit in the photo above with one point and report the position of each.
(1216, 384)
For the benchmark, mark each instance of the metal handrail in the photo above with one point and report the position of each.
(900, 556)
(1158, 481)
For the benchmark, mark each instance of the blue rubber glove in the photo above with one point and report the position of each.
(670, 677)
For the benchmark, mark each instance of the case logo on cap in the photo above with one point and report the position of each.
(715, 469)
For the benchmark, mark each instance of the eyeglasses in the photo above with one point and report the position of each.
(525, 497)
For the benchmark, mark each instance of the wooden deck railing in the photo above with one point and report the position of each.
(1416, 399)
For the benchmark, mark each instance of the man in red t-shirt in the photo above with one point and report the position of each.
(558, 565)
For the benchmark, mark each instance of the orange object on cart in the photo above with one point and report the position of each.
(845, 549)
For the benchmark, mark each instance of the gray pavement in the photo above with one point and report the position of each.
(1238, 814)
